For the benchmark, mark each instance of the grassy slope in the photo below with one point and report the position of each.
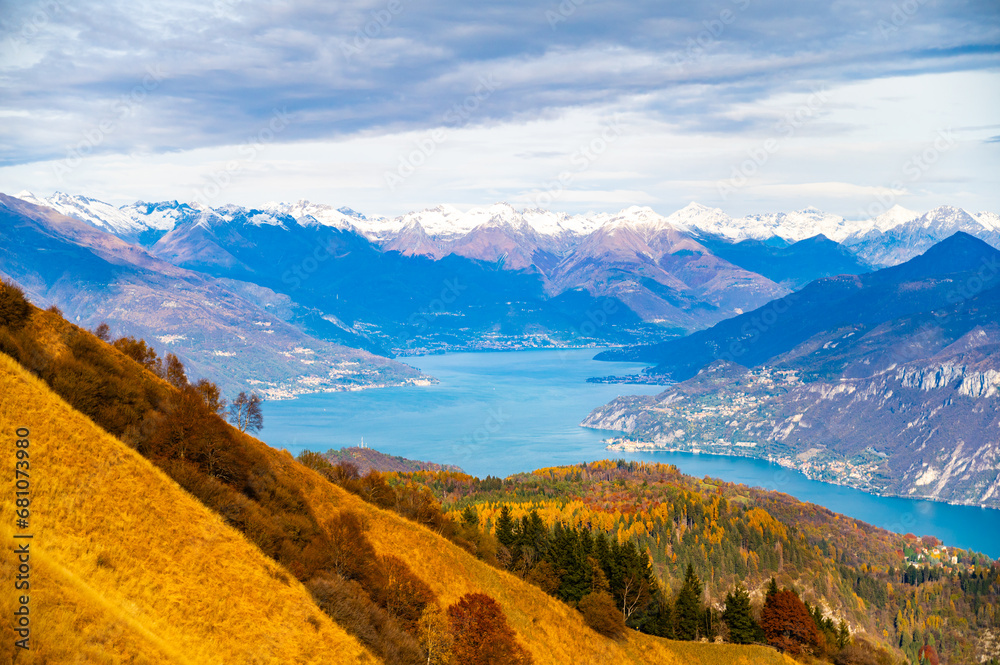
(174, 583)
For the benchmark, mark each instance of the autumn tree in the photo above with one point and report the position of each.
(137, 350)
(402, 594)
(601, 613)
(103, 332)
(738, 615)
(482, 634)
(689, 609)
(434, 635)
(788, 625)
(211, 396)
(928, 655)
(245, 412)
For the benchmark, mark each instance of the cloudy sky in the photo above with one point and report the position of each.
(393, 105)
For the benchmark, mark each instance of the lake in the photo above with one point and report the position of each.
(498, 413)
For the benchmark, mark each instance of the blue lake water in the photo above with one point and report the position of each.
(505, 412)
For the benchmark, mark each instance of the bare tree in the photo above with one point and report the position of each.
(245, 412)
(103, 333)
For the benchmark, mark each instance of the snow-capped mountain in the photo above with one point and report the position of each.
(789, 226)
(98, 214)
(141, 223)
(317, 213)
(519, 239)
(895, 239)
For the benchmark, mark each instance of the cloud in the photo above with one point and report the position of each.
(384, 66)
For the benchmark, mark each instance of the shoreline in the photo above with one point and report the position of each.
(618, 444)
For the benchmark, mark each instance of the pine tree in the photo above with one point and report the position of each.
(689, 609)
(738, 615)
(843, 635)
(470, 517)
(660, 621)
(506, 538)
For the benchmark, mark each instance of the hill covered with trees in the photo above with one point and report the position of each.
(564, 528)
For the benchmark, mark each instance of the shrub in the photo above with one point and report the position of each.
(863, 653)
(14, 308)
(347, 603)
(601, 613)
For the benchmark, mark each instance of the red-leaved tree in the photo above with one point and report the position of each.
(788, 625)
(482, 634)
(928, 655)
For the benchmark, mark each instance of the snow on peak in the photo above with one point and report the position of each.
(893, 217)
(989, 220)
(162, 216)
(307, 213)
(697, 216)
(28, 197)
(98, 214)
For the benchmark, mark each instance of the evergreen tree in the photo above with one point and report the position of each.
(660, 621)
(505, 527)
(689, 609)
(470, 517)
(738, 615)
(843, 635)
(772, 588)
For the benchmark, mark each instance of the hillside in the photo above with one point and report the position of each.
(128, 567)
(121, 545)
(901, 591)
(369, 459)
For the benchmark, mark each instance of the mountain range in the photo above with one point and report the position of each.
(237, 333)
(442, 279)
(888, 381)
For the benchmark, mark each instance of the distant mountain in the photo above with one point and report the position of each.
(539, 276)
(926, 283)
(888, 381)
(791, 226)
(233, 332)
(143, 229)
(793, 265)
(901, 239)
(893, 237)
(660, 273)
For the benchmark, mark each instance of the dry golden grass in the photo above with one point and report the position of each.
(128, 568)
(701, 653)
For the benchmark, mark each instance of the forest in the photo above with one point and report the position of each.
(900, 591)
